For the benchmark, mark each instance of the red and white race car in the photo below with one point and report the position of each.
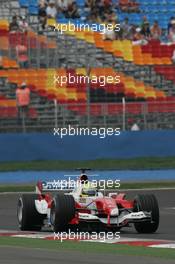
(60, 209)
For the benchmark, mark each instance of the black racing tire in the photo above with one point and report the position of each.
(62, 212)
(28, 217)
(148, 203)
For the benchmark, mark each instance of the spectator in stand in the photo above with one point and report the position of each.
(23, 101)
(94, 16)
(42, 16)
(100, 6)
(51, 10)
(144, 20)
(107, 4)
(111, 17)
(23, 25)
(72, 11)
(146, 32)
(109, 34)
(139, 38)
(116, 5)
(63, 5)
(133, 6)
(1, 65)
(22, 57)
(170, 24)
(129, 6)
(132, 31)
(123, 4)
(14, 26)
(173, 57)
(89, 5)
(125, 29)
(156, 31)
(43, 4)
(172, 32)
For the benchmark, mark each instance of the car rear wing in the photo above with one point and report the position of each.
(53, 186)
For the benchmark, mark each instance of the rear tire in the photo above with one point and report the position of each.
(28, 217)
(62, 212)
(147, 202)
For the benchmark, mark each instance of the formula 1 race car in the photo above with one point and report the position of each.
(54, 207)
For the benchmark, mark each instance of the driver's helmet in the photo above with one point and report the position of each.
(88, 190)
(83, 178)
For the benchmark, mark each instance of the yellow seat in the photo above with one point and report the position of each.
(81, 71)
(72, 96)
(89, 37)
(150, 94)
(51, 22)
(80, 35)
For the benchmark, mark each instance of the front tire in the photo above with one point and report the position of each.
(28, 217)
(148, 203)
(62, 212)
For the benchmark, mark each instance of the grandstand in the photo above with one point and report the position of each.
(145, 94)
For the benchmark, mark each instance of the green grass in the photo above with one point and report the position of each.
(88, 247)
(129, 164)
(133, 185)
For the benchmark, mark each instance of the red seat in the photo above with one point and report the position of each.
(96, 109)
(114, 109)
(134, 108)
(33, 113)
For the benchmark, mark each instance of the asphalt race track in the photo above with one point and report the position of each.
(166, 199)
(8, 221)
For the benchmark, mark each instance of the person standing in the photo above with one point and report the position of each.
(23, 102)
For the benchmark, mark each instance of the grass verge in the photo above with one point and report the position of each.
(88, 247)
(120, 164)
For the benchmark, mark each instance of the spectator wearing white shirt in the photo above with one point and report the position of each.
(51, 10)
(63, 5)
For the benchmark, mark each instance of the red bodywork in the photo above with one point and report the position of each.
(104, 205)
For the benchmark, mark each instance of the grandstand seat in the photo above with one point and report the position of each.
(33, 10)
(24, 3)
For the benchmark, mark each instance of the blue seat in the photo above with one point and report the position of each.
(163, 24)
(60, 16)
(163, 9)
(80, 3)
(33, 10)
(24, 3)
(33, 3)
(63, 20)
